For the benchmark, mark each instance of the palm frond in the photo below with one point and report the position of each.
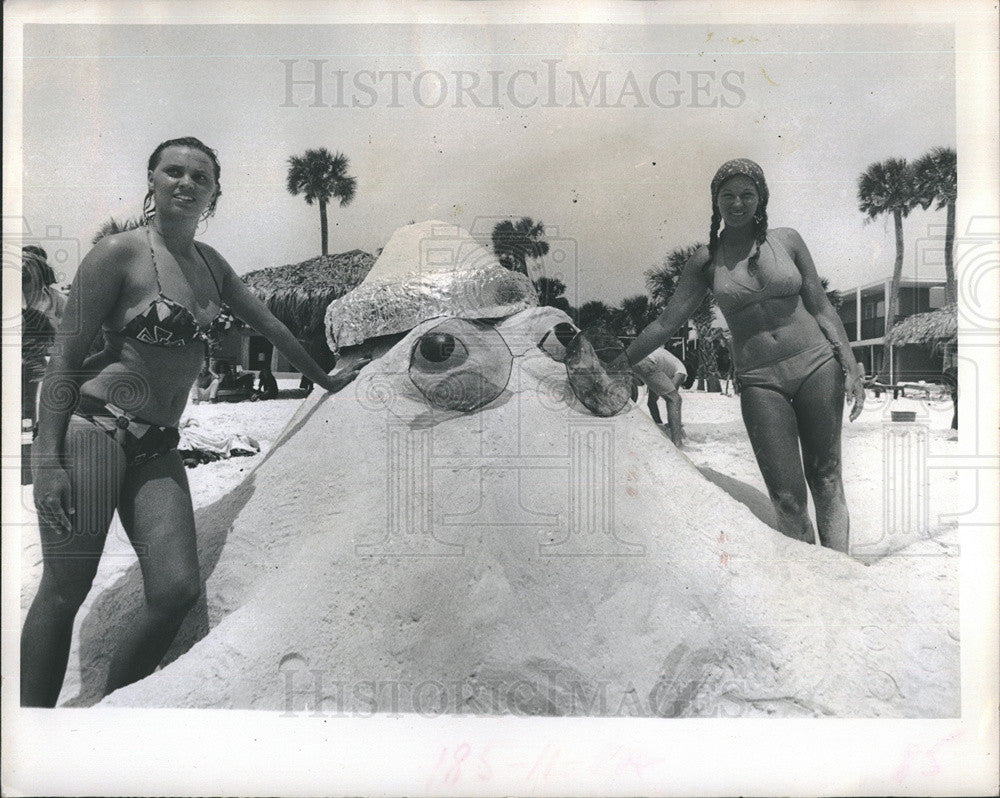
(114, 226)
(886, 187)
(936, 177)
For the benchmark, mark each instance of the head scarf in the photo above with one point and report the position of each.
(744, 167)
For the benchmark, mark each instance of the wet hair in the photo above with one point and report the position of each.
(148, 208)
(746, 168)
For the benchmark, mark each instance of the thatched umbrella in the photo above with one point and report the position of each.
(298, 294)
(937, 328)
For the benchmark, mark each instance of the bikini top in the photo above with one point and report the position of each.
(776, 276)
(168, 323)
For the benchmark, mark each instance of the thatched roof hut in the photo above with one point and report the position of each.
(935, 328)
(298, 294)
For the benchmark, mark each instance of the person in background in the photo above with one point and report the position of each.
(691, 365)
(227, 377)
(724, 360)
(664, 374)
(206, 385)
(949, 373)
(42, 308)
(244, 380)
(267, 385)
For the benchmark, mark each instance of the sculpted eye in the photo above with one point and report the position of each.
(460, 365)
(436, 352)
(598, 371)
(555, 341)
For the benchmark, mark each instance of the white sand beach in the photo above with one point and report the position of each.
(284, 575)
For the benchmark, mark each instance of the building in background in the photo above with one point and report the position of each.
(862, 310)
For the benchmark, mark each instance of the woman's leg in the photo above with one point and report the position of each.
(819, 409)
(156, 512)
(771, 425)
(95, 465)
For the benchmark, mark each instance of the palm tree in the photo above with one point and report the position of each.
(594, 312)
(549, 289)
(888, 187)
(635, 312)
(113, 226)
(515, 242)
(550, 293)
(832, 295)
(936, 180)
(321, 176)
(661, 281)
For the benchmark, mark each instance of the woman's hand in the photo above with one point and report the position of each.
(345, 376)
(855, 390)
(52, 495)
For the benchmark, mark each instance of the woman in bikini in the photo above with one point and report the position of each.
(107, 431)
(792, 357)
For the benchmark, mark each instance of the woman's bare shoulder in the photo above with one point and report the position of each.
(700, 257)
(115, 252)
(788, 236)
(213, 256)
(699, 262)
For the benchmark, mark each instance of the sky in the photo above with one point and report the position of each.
(493, 122)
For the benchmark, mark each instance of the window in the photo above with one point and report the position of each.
(873, 310)
(935, 297)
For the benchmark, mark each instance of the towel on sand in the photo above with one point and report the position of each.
(201, 443)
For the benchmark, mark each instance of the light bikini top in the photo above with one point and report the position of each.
(775, 276)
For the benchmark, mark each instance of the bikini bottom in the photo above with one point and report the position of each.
(139, 440)
(786, 376)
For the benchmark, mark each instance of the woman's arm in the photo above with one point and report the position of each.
(255, 313)
(691, 289)
(92, 297)
(816, 302)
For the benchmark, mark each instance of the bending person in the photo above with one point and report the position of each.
(108, 423)
(787, 341)
(664, 374)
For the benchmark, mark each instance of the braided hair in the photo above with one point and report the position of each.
(148, 207)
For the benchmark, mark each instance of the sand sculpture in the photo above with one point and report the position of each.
(527, 556)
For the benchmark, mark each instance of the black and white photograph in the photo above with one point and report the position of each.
(484, 398)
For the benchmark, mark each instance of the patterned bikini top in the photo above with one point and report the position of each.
(168, 323)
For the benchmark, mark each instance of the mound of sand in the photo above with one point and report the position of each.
(531, 558)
